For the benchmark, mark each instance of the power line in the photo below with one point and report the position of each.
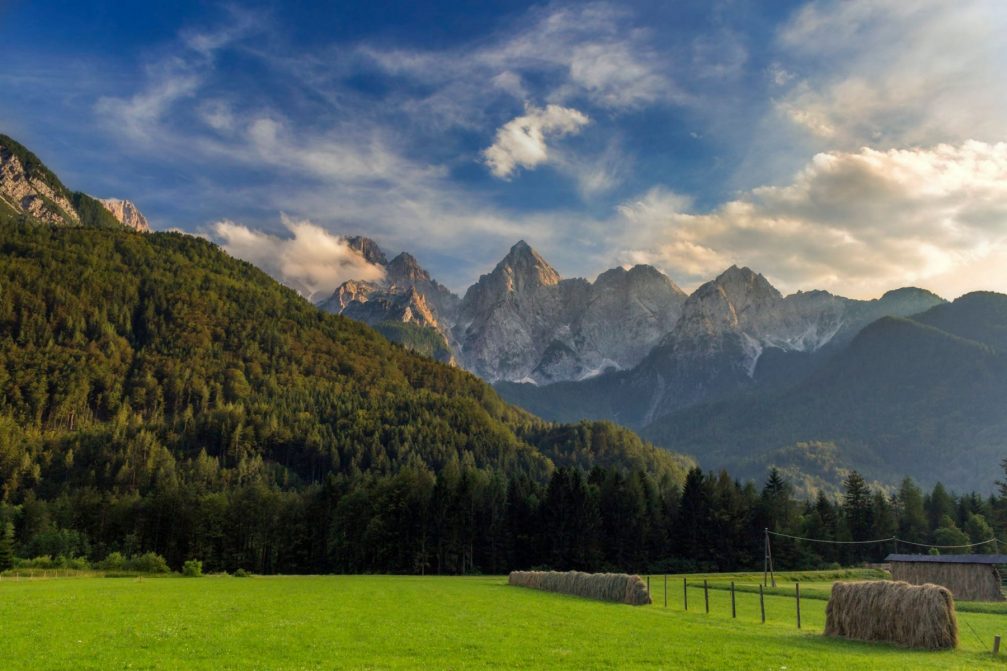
(823, 540)
(890, 539)
(931, 545)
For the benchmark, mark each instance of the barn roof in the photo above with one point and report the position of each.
(949, 559)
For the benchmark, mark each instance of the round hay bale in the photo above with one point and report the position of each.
(912, 616)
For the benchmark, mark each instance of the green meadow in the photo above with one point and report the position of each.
(377, 622)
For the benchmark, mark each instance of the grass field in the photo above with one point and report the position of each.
(371, 622)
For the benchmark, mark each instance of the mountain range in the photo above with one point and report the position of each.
(735, 373)
(521, 322)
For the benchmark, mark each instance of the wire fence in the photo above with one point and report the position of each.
(745, 601)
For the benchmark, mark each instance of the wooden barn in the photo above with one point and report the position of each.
(969, 577)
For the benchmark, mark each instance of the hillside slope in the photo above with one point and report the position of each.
(129, 361)
(28, 188)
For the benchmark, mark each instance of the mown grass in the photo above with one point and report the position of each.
(370, 622)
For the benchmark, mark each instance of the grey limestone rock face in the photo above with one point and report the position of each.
(126, 213)
(522, 322)
(407, 294)
(31, 194)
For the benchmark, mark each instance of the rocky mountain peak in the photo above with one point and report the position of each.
(367, 248)
(405, 269)
(523, 268)
(126, 213)
(734, 297)
(738, 282)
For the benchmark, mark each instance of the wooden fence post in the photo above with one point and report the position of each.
(762, 604)
(706, 594)
(734, 612)
(685, 592)
(797, 591)
(648, 584)
(665, 590)
(996, 645)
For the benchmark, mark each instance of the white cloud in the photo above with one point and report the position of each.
(521, 142)
(312, 261)
(856, 223)
(891, 73)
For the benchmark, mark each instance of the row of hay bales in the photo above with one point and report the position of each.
(912, 616)
(617, 587)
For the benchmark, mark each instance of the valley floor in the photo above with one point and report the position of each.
(372, 622)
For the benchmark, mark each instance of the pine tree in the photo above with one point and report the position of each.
(857, 513)
(912, 516)
(6, 546)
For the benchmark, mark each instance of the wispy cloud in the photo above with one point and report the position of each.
(593, 51)
(173, 79)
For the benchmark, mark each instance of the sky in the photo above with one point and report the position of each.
(853, 146)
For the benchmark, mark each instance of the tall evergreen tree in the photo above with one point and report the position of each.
(940, 504)
(694, 524)
(6, 546)
(912, 524)
(857, 509)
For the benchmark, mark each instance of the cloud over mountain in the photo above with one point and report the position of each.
(311, 260)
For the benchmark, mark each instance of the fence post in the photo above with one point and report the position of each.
(648, 584)
(734, 612)
(685, 592)
(665, 590)
(797, 591)
(996, 645)
(762, 604)
(706, 595)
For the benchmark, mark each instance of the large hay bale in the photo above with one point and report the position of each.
(913, 616)
(617, 587)
(967, 582)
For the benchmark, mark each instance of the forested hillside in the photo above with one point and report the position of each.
(156, 394)
(922, 397)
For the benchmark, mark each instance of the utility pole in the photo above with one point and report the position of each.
(767, 561)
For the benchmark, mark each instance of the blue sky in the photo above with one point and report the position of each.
(852, 146)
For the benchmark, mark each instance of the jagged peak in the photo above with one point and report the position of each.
(744, 281)
(640, 273)
(367, 248)
(527, 265)
(405, 267)
(738, 274)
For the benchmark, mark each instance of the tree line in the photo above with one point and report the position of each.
(468, 520)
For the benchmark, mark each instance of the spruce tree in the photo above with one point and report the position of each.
(6, 546)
